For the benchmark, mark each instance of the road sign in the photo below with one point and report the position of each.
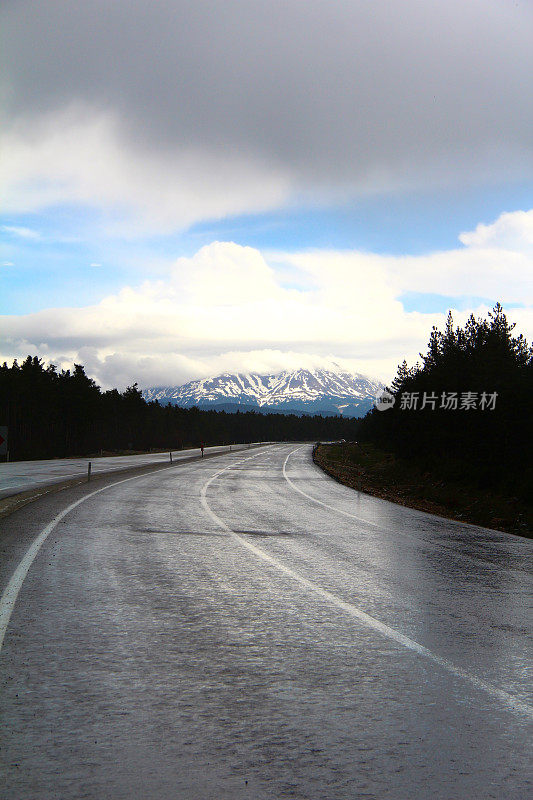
(3, 440)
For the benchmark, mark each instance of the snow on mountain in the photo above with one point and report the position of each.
(317, 391)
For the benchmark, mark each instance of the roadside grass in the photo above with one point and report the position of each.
(365, 467)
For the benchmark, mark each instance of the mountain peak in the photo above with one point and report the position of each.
(310, 391)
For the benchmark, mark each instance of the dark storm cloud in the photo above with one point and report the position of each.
(337, 94)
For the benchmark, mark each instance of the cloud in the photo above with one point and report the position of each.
(226, 308)
(512, 231)
(221, 309)
(121, 369)
(171, 112)
(496, 262)
(78, 156)
(21, 232)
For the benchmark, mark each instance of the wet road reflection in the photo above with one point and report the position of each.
(212, 633)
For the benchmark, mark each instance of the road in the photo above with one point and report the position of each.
(20, 476)
(245, 627)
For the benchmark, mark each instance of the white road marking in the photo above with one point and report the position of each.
(355, 612)
(100, 464)
(320, 503)
(435, 546)
(11, 592)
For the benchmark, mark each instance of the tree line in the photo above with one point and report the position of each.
(465, 410)
(53, 413)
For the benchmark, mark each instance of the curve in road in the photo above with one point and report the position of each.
(247, 626)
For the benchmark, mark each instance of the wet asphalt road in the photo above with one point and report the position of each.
(245, 627)
(20, 476)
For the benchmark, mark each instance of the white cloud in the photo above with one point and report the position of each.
(173, 112)
(226, 309)
(21, 232)
(511, 231)
(496, 262)
(79, 156)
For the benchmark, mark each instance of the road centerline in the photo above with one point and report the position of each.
(11, 592)
(513, 702)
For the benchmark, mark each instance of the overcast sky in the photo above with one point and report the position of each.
(190, 187)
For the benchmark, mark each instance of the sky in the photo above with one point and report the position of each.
(189, 188)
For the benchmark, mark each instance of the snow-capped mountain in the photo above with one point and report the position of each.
(317, 391)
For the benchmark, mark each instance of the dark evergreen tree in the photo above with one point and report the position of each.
(51, 414)
(492, 446)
